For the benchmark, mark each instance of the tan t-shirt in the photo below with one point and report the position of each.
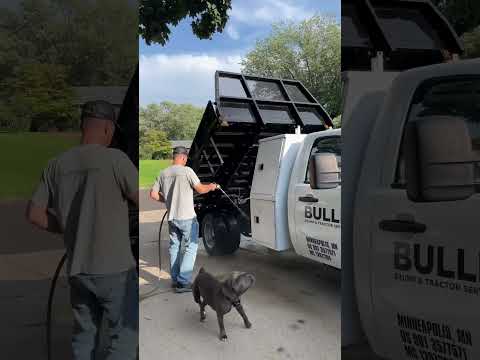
(177, 183)
(87, 188)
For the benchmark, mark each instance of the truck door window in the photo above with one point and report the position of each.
(332, 145)
(452, 97)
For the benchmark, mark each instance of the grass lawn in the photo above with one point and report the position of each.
(23, 157)
(149, 170)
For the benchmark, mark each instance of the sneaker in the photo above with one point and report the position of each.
(182, 288)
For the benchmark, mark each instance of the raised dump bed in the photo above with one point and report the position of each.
(246, 109)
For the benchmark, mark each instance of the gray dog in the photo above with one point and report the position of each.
(221, 293)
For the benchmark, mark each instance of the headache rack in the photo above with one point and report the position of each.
(407, 34)
(247, 108)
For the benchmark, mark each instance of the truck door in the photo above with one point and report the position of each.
(425, 256)
(317, 211)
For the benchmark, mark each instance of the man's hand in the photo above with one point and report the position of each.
(40, 217)
(157, 196)
(205, 188)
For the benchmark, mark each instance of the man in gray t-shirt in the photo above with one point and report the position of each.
(174, 186)
(83, 194)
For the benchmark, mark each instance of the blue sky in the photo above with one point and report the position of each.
(183, 70)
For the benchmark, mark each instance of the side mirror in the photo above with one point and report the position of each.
(438, 159)
(323, 171)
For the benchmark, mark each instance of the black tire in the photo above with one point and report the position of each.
(221, 233)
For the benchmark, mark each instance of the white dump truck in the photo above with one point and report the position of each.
(267, 143)
(410, 189)
(293, 201)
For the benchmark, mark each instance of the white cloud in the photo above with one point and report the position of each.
(182, 78)
(232, 32)
(270, 11)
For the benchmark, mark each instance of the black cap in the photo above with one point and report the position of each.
(99, 109)
(180, 150)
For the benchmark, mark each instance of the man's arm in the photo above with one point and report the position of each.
(197, 185)
(42, 218)
(37, 209)
(134, 197)
(205, 188)
(127, 176)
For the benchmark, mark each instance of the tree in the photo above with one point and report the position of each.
(178, 121)
(38, 98)
(308, 51)
(472, 43)
(154, 142)
(85, 42)
(155, 16)
(337, 121)
(463, 15)
(96, 40)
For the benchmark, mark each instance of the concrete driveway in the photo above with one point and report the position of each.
(294, 306)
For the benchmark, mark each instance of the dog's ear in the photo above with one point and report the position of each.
(227, 289)
(242, 283)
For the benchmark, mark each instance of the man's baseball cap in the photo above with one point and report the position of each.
(99, 109)
(180, 150)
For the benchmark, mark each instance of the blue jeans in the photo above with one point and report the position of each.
(181, 264)
(112, 299)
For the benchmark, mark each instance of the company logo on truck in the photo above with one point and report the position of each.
(427, 265)
(322, 216)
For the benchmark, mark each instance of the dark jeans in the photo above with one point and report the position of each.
(113, 300)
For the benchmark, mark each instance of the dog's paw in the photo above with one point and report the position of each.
(223, 337)
(248, 325)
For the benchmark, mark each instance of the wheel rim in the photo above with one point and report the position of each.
(209, 234)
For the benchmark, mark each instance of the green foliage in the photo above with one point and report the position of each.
(308, 51)
(463, 15)
(208, 17)
(337, 121)
(95, 39)
(472, 43)
(75, 42)
(39, 98)
(154, 142)
(178, 121)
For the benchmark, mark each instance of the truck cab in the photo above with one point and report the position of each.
(295, 198)
(415, 218)
(314, 215)
(410, 262)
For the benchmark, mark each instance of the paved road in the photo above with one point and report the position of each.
(28, 259)
(294, 307)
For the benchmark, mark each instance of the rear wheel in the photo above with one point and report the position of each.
(221, 233)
